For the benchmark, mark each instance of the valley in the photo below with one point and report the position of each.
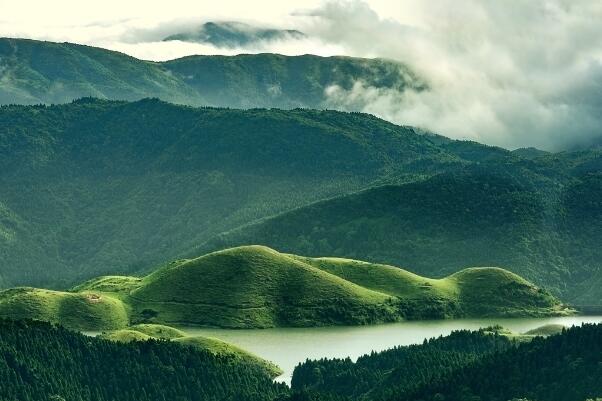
(239, 225)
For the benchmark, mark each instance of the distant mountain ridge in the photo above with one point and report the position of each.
(233, 34)
(33, 72)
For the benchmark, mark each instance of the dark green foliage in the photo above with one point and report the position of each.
(378, 375)
(540, 220)
(45, 72)
(566, 367)
(465, 366)
(42, 362)
(94, 186)
(98, 187)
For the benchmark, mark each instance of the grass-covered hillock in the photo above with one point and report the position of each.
(145, 332)
(221, 348)
(546, 330)
(255, 286)
(80, 311)
(471, 292)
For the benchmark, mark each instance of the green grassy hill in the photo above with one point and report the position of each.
(144, 332)
(79, 311)
(471, 292)
(35, 72)
(98, 187)
(256, 287)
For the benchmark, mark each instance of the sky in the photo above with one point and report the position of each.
(511, 73)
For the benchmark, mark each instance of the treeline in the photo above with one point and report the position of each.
(464, 367)
(379, 375)
(39, 361)
(566, 367)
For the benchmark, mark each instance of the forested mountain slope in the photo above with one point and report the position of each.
(42, 362)
(96, 186)
(34, 72)
(544, 225)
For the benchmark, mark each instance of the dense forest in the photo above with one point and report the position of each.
(73, 178)
(378, 375)
(39, 361)
(43, 362)
(543, 225)
(464, 367)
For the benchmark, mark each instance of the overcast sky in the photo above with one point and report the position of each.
(510, 73)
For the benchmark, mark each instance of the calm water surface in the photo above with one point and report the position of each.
(287, 347)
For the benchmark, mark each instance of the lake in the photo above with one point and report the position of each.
(287, 347)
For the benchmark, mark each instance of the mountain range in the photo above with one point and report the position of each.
(103, 187)
(33, 72)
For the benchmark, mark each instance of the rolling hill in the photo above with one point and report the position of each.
(256, 287)
(33, 72)
(79, 311)
(145, 332)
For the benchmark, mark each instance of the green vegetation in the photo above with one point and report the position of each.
(492, 215)
(471, 292)
(546, 330)
(42, 362)
(221, 348)
(464, 366)
(45, 72)
(80, 311)
(380, 375)
(317, 183)
(543, 331)
(255, 286)
(74, 178)
(144, 332)
(39, 361)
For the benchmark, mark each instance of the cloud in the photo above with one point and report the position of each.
(529, 74)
